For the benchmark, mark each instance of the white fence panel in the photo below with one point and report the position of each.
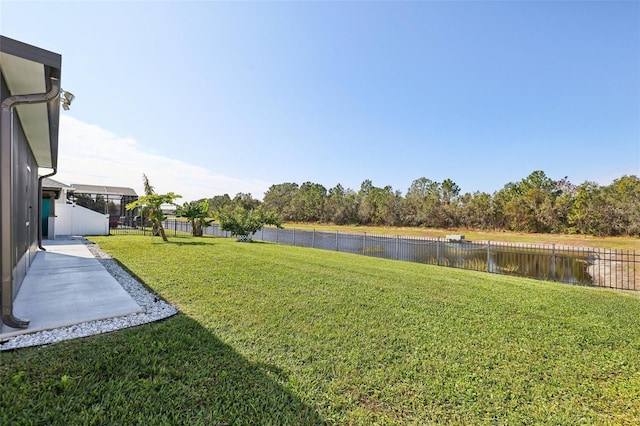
(72, 219)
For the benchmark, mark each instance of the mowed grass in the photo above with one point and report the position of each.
(273, 334)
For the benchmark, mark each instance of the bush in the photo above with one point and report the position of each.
(243, 223)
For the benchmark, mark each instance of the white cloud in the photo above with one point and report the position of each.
(91, 155)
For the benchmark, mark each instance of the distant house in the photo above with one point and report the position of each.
(53, 192)
(111, 200)
(30, 96)
(80, 209)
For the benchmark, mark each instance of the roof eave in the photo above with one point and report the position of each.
(44, 65)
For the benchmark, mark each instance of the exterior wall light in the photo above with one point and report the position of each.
(66, 99)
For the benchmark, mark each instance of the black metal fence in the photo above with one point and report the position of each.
(619, 269)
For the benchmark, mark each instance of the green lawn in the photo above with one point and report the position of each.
(273, 334)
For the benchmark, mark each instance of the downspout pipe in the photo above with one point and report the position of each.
(55, 170)
(6, 202)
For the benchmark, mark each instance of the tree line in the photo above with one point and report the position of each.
(536, 204)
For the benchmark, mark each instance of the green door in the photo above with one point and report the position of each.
(46, 207)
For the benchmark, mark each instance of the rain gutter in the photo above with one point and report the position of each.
(6, 195)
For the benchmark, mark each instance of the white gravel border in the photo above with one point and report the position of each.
(153, 309)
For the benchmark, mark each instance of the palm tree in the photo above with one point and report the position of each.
(198, 215)
(151, 207)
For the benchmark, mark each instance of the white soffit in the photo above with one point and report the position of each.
(26, 77)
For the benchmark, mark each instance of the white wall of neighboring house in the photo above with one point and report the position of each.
(72, 219)
(62, 199)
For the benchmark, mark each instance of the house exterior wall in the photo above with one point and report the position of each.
(25, 201)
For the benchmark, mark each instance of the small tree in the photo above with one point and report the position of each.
(151, 207)
(198, 215)
(243, 223)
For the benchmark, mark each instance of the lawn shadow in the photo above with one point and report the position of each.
(169, 372)
(185, 243)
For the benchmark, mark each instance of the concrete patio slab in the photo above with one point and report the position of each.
(66, 285)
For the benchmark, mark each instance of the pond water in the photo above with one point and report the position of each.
(565, 264)
(569, 266)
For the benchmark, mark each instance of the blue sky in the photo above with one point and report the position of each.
(209, 98)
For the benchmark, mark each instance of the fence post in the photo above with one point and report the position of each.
(553, 262)
(488, 256)
(611, 269)
(313, 239)
(438, 250)
(294, 236)
(336, 240)
(364, 244)
(397, 246)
